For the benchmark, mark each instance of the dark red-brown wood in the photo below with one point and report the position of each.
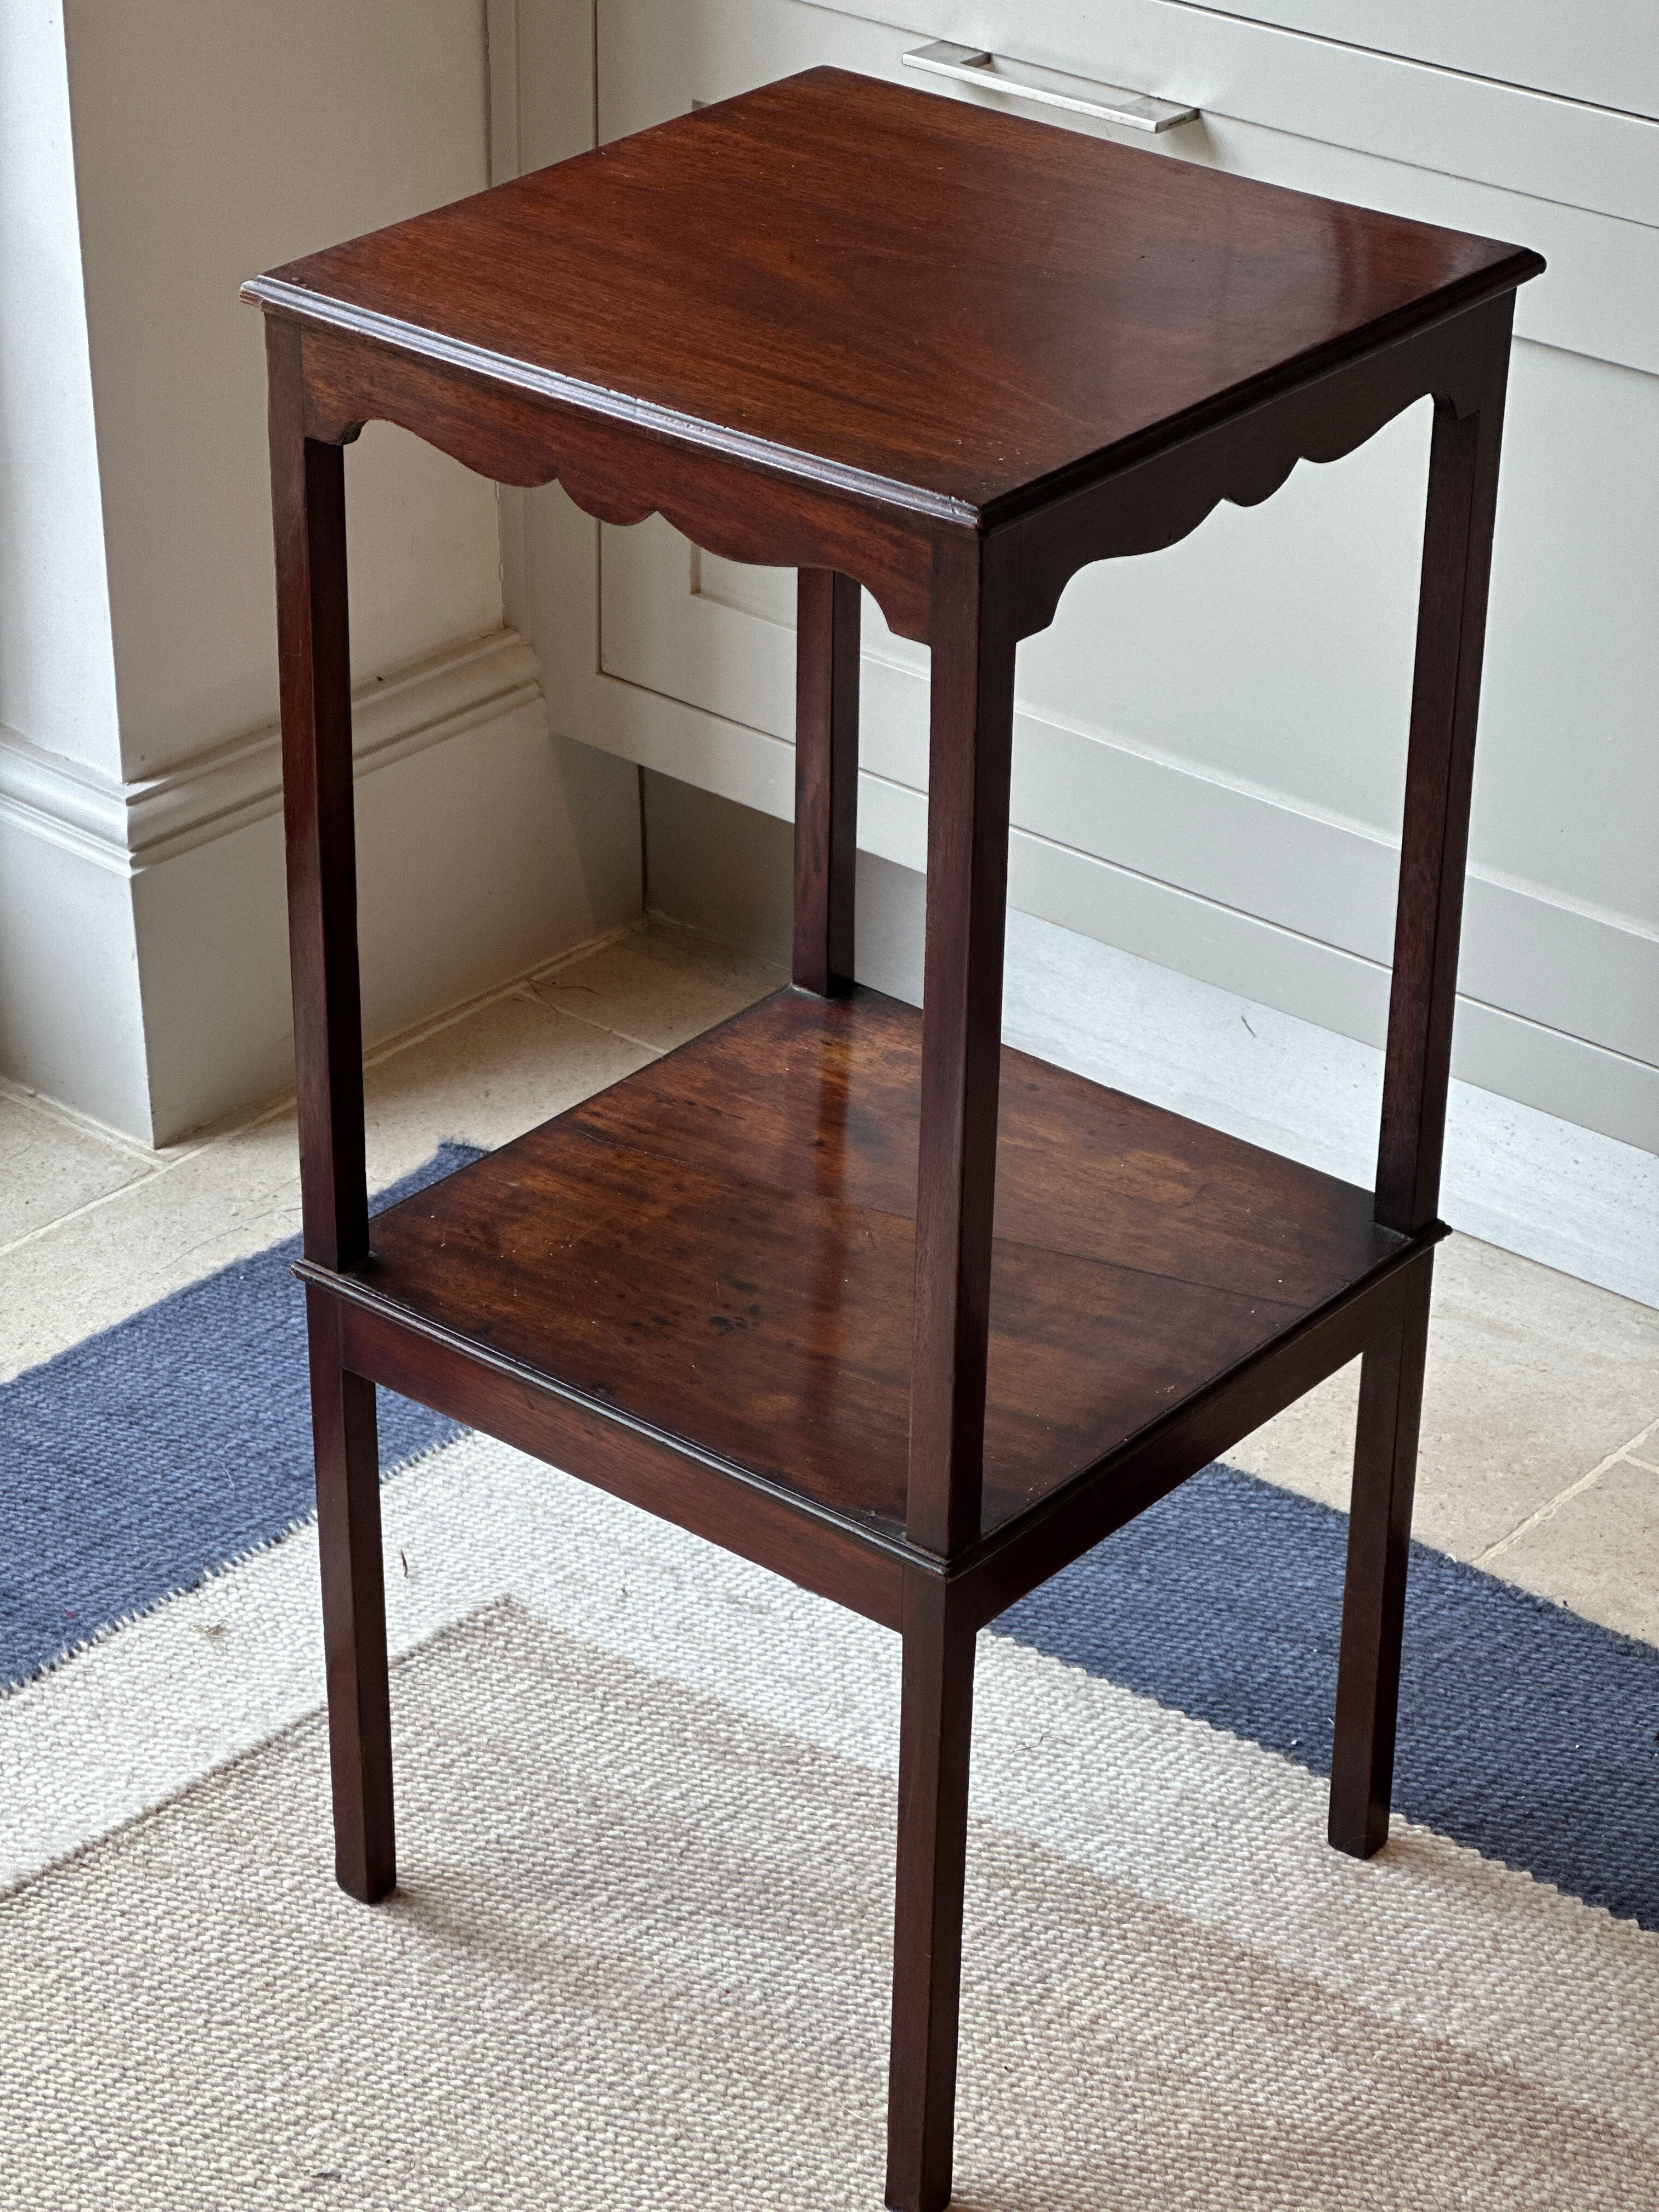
(851, 1291)
(860, 281)
(857, 1565)
(1439, 782)
(723, 1245)
(887, 316)
(307, 492)
(936, 1714)
(1374, 1597)
(826, 779)
(1025, 1552)
(1457, 538)
(969, 755)
(354, 1610)
(837, 1546)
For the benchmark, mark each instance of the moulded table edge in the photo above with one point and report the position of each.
(424, 343)
(1283, 381)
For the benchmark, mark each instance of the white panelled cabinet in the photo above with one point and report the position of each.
(1211, 741)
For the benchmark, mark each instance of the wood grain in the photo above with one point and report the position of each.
(892, 320)
(617, 471)
(723, 1245)
(1025, 1552)
(858, 1567)
(869, 285)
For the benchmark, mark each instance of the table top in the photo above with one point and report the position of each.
(896, 292)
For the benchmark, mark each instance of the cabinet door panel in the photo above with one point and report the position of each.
(1210, 742)
(1578, 184)
(1372, 97)
(1606, 53)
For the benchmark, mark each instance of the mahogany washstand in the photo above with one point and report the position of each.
(762, 1287)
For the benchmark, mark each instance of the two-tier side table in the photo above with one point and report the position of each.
(844, 1287)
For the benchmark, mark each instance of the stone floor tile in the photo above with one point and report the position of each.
(1533, 1379)
(49, 1166)
(1598, 1553)
(660, 984)
(85, 1274)
(484, 1079)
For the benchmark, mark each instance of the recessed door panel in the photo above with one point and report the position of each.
(1218, 731)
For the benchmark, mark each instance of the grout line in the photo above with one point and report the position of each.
(1647, 1465)
(604, 1029)
(62, 1116)
(522, 985)
(519, 986)
(778, 965)
(1548, 1510)
(160, 1164)
(405, 1040)
(645, 1044)
(76, 1212)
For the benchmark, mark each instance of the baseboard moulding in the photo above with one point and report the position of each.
(143, 936)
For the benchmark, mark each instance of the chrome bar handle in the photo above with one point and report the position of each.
(1108, 103)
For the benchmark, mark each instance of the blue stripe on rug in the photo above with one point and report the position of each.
(149, 1456)
(1525, 1731)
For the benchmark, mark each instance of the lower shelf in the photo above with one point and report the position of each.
(721, 1247)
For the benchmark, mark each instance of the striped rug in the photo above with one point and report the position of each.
(638, 1954)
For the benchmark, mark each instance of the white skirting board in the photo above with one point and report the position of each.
(143, 960)
(1514, 1176)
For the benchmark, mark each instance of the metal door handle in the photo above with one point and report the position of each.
(1137, 111)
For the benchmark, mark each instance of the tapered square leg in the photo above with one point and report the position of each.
(354, 1612)
(1374, 1598)
(1434, 847)
(307, 488)
(935, 1730)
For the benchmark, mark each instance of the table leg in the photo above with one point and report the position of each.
(935, 1729)
(307, 485)
(1374, 1594)
(1451, 627)
(1434, 848)
(826, 778)
(970, 759)
(308, 496)
(353, 1611)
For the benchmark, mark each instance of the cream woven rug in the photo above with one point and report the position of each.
(639, 1953)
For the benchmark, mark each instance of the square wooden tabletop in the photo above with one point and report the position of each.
(897, 291)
